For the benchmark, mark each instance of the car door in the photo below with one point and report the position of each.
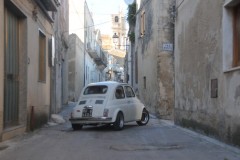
(122, 103)
(131, 103)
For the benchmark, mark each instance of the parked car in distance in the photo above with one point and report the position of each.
(108, 103)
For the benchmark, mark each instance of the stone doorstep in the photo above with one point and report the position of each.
(13, 132)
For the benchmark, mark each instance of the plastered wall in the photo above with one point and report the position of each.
(199, 60)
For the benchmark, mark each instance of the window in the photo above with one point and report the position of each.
(119, 94)
(231, 35)
(142, 25)
(86, 73)
(236, 36)
(144, 82)
(129, 92)
(136, 67)
(42, 57)
(116, 19)
(214, 88)
(95, 90)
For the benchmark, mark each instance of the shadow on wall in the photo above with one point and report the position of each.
(37, 117)
(236, 137)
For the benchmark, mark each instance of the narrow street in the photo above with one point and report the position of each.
(159, 140)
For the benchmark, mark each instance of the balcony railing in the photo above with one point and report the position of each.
(48, 7)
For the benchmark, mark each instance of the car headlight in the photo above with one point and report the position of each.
(105, 112)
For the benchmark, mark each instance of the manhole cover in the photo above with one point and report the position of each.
(143, 147)
(3, 147)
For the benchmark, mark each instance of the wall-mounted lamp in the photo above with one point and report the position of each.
(115, 38)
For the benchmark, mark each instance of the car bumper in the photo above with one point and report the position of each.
(91, 120)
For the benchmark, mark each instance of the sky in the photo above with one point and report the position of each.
(102, 10)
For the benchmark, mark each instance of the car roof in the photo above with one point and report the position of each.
(107, 83)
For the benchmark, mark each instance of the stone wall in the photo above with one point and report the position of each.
(154, 76)
(199, 64)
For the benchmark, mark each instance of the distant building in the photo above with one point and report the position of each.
(88, 60)
(120, 30)
(76, 67)
(116, 48)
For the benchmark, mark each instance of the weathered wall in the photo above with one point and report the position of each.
(34, 96)
(1, 66)
(63, 33)
(38, 92)
(153, 62)
(76, 67)
(198, 60)
(59, 73)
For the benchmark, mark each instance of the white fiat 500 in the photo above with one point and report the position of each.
(108, 103)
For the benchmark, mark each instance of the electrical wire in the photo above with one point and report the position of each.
(179, 4)
(91, 26)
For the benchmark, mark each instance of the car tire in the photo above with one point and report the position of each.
(77, 126)
(119, 122)
(145, 118)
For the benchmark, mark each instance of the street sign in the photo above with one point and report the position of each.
(167, 47)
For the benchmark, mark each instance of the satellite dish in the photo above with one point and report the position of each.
(128, 2)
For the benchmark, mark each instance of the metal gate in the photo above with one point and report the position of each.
(11, 68)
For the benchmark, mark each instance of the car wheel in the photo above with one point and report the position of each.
(119, 123)
(77, 126)
(145, 118)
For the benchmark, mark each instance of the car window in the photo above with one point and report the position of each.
(119, 93)
(95, 90)
(129, 92)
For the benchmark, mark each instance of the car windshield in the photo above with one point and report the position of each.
(95, 90)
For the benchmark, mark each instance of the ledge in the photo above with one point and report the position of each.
(232, 69)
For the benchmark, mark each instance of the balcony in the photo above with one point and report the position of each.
(48, 5)
(92, 51)
(98, 55)
(101, 61)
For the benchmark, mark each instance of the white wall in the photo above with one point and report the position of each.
(76, 18)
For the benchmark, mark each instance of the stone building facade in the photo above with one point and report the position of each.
(76, 67)
(27, 31)
(207, 67)
(152, 55)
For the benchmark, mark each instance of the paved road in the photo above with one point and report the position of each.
(159, 140)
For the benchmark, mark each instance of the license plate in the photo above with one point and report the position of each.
(87, 113)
